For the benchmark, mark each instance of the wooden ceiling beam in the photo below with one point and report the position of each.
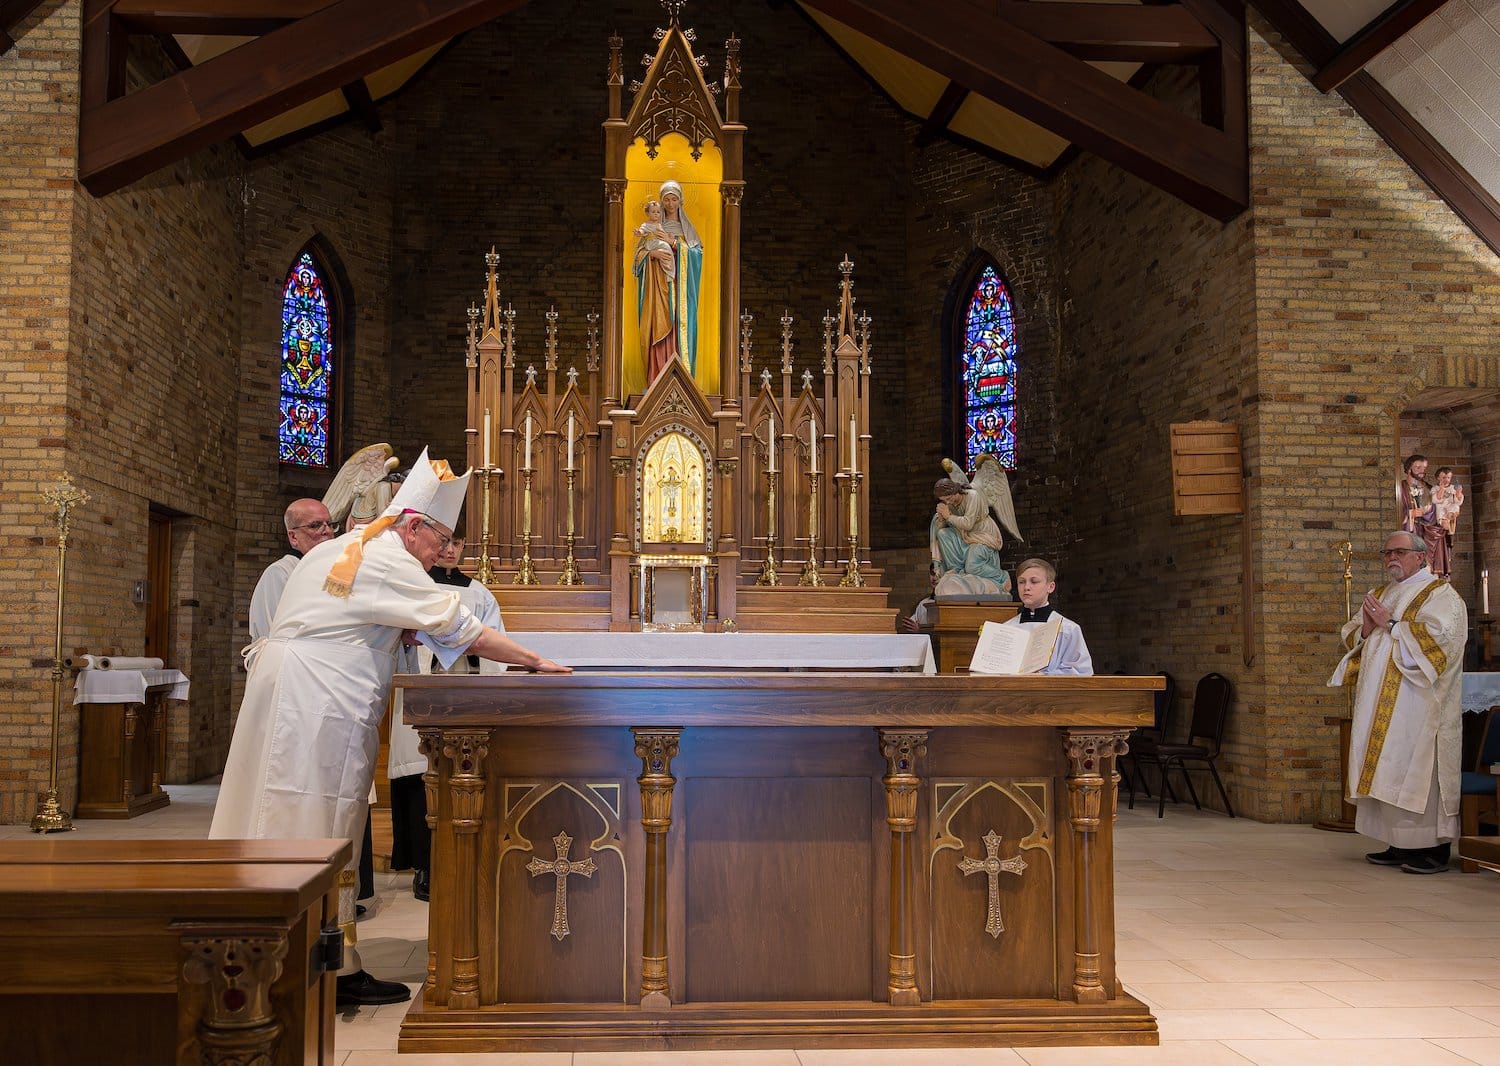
(127, 138)
(228, 18)
(1204, 167)
(1373, 38)
(1166, 33)
(942, 113)
(357, 96)
(12, 14)
(102, 64)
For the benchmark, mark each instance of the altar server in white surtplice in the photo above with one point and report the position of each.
(1405, 661)
(307, 525)
(1036, 581)
(303, 755)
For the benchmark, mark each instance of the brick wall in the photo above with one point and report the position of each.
(36, 220)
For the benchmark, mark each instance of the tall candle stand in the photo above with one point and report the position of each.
(525, 572)
(810, 573)
(50, 817)
(1344, 823)
(486, 571)
(852, 578)
(570, 574)
(768, 574)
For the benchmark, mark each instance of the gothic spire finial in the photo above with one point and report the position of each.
(674, 10)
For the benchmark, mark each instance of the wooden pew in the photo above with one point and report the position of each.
(160, 951)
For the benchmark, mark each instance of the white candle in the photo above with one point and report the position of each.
(527, 464)
(812, 443)
(853, 448)
(1484, 592)
(570, 440)
(771, 449)
(486, 438)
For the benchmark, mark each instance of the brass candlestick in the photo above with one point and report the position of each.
(852, 578)
(768, 574)
(810, 573)
(1344, 823)
(570, 575)
(486, 571)
(50, 817)
(525, 572)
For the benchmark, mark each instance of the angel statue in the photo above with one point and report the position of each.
(363, 487)
(965, 535)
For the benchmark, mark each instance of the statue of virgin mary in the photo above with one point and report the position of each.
(667, 300)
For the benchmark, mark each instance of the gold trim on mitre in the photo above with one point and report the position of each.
(432, 490)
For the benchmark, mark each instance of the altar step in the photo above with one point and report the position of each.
(553, 608)
(827, 609)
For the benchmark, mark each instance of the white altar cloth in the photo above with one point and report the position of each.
(1481, 691)
(736, 651)
(126, 686)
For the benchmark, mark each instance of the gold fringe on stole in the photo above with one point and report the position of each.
(1390, 687)
(340, 580)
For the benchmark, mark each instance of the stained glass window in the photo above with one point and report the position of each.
(307, 366)
(988, 371)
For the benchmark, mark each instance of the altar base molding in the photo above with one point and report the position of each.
(772, 860)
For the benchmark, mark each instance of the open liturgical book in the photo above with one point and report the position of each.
(1004, 649)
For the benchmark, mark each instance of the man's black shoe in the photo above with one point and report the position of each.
(1424, 864)
(421, 884)
(1388, 857)
(359, 911)
(359, 989)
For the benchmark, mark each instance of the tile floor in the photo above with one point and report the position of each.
(1275, 945)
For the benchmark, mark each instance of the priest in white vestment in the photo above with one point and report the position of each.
(1036, 581)
(307, 525)
(303, 755)
(1405, 661)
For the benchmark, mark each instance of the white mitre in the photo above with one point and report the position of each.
(431, 489)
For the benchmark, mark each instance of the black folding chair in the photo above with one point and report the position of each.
(1145, 739)
(1211, 701)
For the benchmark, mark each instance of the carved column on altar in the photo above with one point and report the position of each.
(1089, 754)
(616, 139)
(901, 748)
(656, 748)
(465, 752)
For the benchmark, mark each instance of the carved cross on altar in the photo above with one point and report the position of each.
(531, 375)
(992, 866)
(561, 867)
(572, 377)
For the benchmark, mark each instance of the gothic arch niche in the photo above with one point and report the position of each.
(980, 365)
(1458, 427)
(674, 478)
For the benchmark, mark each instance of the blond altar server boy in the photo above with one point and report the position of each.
(1036, 581)
(303, 755)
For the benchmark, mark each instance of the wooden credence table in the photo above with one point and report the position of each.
(637, 861)
(167, 951)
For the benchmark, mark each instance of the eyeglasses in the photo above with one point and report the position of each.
(443, 539)
(1388, 552)
(315, 526)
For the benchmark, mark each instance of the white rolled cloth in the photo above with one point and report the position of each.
(124, 662)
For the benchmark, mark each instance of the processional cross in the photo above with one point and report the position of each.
(992, 866)
(561, 867)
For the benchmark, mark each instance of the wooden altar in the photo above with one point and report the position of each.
(639, 861)
(594, 468)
